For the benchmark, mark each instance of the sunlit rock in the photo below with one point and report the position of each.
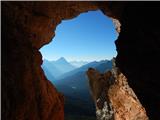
(113, 97)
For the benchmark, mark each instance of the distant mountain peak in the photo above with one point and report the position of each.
(62, 59)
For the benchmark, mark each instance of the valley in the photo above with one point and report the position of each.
(73, 83)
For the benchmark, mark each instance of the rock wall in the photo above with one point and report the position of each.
(138, 47)
(27, 26)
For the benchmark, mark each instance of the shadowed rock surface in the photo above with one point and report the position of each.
(27, 26)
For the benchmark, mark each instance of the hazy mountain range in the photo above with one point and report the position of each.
(73, 83)
(56, 68)
(101, 66)
(78, 63)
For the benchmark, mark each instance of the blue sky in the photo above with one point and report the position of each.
(88, 37)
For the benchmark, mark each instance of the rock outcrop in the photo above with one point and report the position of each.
(27, 26)
(113, 97)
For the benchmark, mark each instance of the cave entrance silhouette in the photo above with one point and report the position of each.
(80, 43)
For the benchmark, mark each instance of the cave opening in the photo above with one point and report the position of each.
(80, 43)
(26, 27)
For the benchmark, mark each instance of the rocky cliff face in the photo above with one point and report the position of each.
(27, 26)
(113, 97)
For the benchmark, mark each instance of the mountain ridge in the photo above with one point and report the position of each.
(82, 68)
(57, 67)
(75, 88)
